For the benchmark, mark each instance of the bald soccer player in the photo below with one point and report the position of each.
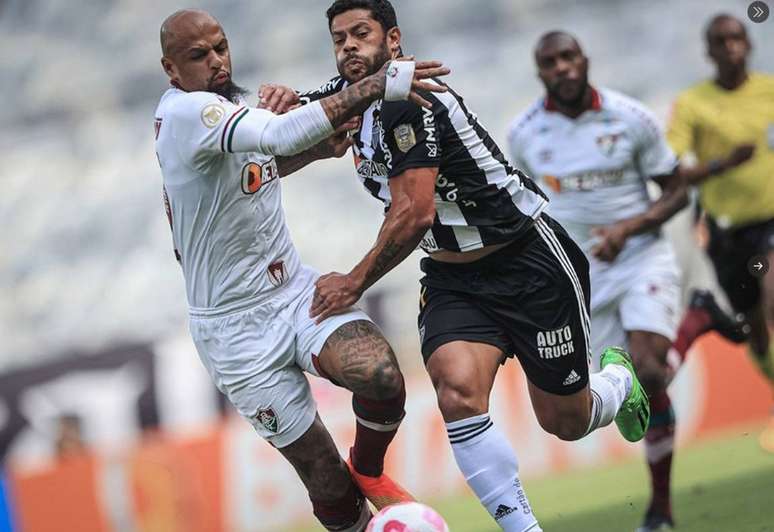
(248, 293)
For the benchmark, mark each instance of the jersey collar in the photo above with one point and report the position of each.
(596, 102)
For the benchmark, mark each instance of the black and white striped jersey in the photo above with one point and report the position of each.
(480, 200)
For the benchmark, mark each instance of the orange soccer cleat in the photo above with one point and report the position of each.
(382, 491)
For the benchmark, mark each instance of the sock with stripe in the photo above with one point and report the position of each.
(489, 464)
(377, 424)
(609, 389)
(659, 447)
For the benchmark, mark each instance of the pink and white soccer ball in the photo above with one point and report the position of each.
(407, 517)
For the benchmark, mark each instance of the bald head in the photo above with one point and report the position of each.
(557, 39)
(728, 45)
(196, 54)
(184, 26)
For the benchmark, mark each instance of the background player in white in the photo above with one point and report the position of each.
(248, 293)
(595, 151)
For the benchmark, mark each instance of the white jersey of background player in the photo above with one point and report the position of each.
(595, 170)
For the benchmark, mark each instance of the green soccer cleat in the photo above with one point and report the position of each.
(634, 415)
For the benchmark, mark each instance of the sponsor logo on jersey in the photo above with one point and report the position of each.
(157, 127)
(585, 181)
(268, 418)
(277, 273)
(546, 156)
(405, 137)
(255, 175)
(555, 344)
(607, 143)
(553, 183)
(366, 168)
(428, 119)
(212, 114)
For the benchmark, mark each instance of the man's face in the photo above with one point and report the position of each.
(360, 44)
(199, 58)
(563, 69)
(727, 43)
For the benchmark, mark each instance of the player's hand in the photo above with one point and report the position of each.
(611, 241)
(424, 70)
(740, 155)
(334, 293)
(339, 143)
(277, 99)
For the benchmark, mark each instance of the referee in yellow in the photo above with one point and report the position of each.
(728, 124)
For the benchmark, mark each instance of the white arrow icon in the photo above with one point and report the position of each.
(758, 266)
(757, 12)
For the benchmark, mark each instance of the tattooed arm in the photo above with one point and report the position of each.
(410, 216)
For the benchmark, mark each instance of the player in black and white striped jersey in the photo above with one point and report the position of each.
(502, 279)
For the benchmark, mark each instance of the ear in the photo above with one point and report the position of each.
(170, 69)
(393, 41)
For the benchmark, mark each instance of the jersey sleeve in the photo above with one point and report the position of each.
(654, 155)
(412, 134)
(206, 125)
(515, 144)
(680, 132)
(327, 89)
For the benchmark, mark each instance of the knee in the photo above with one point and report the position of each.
(566, 427)
(458, 400)
(386, 380)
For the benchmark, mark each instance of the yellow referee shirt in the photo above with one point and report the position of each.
(710, 122)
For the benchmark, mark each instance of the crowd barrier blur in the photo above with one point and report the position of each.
(223, 478)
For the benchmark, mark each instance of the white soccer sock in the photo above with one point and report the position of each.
(491, 469)
(609, 389)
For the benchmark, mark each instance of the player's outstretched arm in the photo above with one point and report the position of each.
(306, 126)
(411, 214)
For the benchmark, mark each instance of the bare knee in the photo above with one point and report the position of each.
(649, 352)
(460, 400)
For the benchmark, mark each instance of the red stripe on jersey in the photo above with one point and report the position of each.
(225, 128)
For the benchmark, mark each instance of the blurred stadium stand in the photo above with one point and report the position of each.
(85, 252)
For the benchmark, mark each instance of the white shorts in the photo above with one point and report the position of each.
(257, 358)
(641, 294)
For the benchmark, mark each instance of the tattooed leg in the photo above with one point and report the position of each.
(358, 357)
(336, 501)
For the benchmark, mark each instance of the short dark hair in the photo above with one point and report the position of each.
(381, 10)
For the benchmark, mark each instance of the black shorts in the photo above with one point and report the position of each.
(530, 299)
(730, 251)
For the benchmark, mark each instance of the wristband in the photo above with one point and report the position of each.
(398, 80)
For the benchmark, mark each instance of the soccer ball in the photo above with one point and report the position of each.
(407, 517)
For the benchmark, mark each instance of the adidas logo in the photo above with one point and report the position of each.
(572, 378)
(502, 511)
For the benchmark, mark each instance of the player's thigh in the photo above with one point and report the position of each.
(348, 348)
(250, 357)
(463, 374)
(462, 347)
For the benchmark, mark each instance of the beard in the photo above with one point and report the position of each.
(229, 90)
(574, 101)
(366, 66)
